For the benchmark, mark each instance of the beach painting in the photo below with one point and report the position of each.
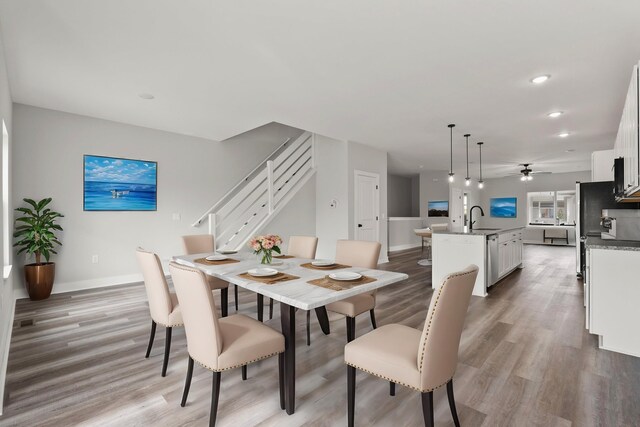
(438, 208)
(503, 207)
(115, 184)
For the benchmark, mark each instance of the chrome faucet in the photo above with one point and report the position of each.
(471, 221)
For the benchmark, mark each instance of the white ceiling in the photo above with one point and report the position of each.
(386, 73)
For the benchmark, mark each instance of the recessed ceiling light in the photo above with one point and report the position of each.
(570, 150)
(563, 134)
(540, 79)
(146, 96)
(555, 114)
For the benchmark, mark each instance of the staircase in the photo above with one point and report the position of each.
(261, 195)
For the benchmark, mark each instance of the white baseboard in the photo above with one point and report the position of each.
(403, 247)
(59, 288)
(4, 359)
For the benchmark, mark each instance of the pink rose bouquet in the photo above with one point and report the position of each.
(265, 246)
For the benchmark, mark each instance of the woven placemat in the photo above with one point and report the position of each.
(283, 257)
(327, 267)
(270, 280)
(340, 285)
(221, 262)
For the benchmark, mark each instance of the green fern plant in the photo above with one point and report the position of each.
(35, 229)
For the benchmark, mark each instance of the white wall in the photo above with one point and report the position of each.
(192, 174)
(367, 159)
(433, 186)
(332, 198)
(512, 187)
(6, 286)
(415, 196)
(399, 195)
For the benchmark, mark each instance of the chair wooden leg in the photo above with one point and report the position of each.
(308, 327)
(244, 372)
(151, 337)
(224, 302)
(452, 403)
(187, 383)
(270, 308)
(281, 378)
(351, 328)
(235, 295)
(373, 318)
(215, 393)
(427, 408)
(351, 395)
(167, 347)
(392, 388)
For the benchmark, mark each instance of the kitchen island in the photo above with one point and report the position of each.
(497, 253)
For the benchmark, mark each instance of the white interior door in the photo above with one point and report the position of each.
(456, 210)
(367, 206)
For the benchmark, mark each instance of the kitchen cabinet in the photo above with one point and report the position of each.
(509, 252)
(612, 297)
(627, 140)
(602, 165)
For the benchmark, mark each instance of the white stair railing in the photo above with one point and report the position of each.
(255, 200)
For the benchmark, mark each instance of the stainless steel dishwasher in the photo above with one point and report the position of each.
(492, 259)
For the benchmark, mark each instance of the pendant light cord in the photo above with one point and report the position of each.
(467, 136)
(451, 126)
(480, 146)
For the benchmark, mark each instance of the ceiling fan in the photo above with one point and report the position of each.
(526, 173)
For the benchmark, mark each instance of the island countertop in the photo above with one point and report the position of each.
(481, 231)
(594, 242)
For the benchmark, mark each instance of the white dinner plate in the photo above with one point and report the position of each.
(216, 258)
(227, 252)
(345, 276)
(263, 272)
(323, 263)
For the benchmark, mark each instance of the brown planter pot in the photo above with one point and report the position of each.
(39, 279)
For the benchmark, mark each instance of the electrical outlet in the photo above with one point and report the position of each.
(176, 217)
(94, 259)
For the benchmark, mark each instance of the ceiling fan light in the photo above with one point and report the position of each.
(529, 178)
(523, 178)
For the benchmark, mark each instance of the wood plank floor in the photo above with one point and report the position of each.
(525, 359)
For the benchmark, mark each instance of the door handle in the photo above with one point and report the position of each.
(359, 225)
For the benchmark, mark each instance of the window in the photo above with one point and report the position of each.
(551, 207)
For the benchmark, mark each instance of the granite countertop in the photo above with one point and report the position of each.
(594, 242)
(480, 232)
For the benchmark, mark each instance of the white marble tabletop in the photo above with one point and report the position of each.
(297, 293)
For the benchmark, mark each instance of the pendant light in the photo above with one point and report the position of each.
(467, 180)
(480, 182)
(451, 174)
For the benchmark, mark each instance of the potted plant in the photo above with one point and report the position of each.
(35, 235)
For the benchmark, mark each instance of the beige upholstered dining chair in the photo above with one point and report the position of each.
(356, 253)
(163, 304)
(422, 360)
(220, 344)
(203, 244)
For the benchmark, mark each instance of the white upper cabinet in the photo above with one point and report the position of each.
(627, 141)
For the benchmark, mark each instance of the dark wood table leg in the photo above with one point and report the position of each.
(224, 301)
(288, 321)
(323, 319)
(260, 306)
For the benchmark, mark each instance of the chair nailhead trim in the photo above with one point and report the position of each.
(435, 304)
(236, 366)
(396, 381)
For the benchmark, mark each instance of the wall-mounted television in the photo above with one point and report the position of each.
(116, 184)
(438, 208)
(503, 207)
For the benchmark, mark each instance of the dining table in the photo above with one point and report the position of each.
(294, 293)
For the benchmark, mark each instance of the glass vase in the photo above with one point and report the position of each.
(267, 256)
